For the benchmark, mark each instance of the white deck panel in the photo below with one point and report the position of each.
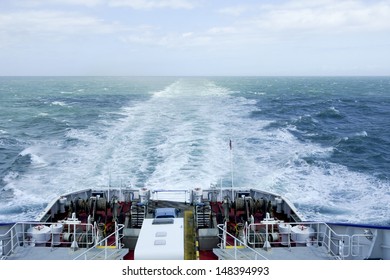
(160, 241)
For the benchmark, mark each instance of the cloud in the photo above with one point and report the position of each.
(133, 4)
(222, 30)
(325, 15)
(255, 23)
(187, 34)
(34, 3)
(301, 22)
(264, 24)
(36, 26)
(152, 4)
(254, 32)
(234, 10)
(142, 34)
(170, 40)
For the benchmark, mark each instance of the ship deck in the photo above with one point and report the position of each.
(279, 253)
(60, 253)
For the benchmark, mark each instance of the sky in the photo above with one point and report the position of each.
(194, 38)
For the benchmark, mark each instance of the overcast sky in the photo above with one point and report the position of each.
(188, 37)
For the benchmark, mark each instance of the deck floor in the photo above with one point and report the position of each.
(60, 253)
(279, 253)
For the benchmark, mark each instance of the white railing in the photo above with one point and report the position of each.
(108, 249)
(320, 234)
(234, 247)
(262, 235)
(73, 236)
(171, 195)
(359, 244)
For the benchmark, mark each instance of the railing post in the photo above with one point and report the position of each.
(116, 235)
(23, 231)
(105, 249)
(235, 249)
(12, 240)
(224, 235)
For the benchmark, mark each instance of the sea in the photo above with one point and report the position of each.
(321, 142)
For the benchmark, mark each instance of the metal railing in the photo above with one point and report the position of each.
(171, 195)
(234, 247)
(317, 234)
(107, 249)
(91, 237)
(261, 235)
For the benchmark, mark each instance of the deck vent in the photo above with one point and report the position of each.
(161, 234)
(160, 242)
(163, 221)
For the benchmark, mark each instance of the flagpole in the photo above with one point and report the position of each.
(231, 166)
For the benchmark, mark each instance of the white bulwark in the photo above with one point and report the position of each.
(160, 239)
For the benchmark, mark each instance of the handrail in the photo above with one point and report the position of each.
(181, 195)
(237, 245)
(340, 246)
(355, 242)
(19, 236)
(116, 244)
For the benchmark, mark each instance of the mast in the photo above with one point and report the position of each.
(231, 166)
(109, 184)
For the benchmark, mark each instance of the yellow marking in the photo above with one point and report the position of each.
(189, 236)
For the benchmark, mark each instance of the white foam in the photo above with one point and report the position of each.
(179, 139)
(59, 103)
(10, 176)
(36, 156)
(362, 133)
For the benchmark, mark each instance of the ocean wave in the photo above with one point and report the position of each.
(35, 157)
(60, 103)
(184, 88)
(361, 134)
(331, 113)
(10, 176)
(257, 92)
(177, 137)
